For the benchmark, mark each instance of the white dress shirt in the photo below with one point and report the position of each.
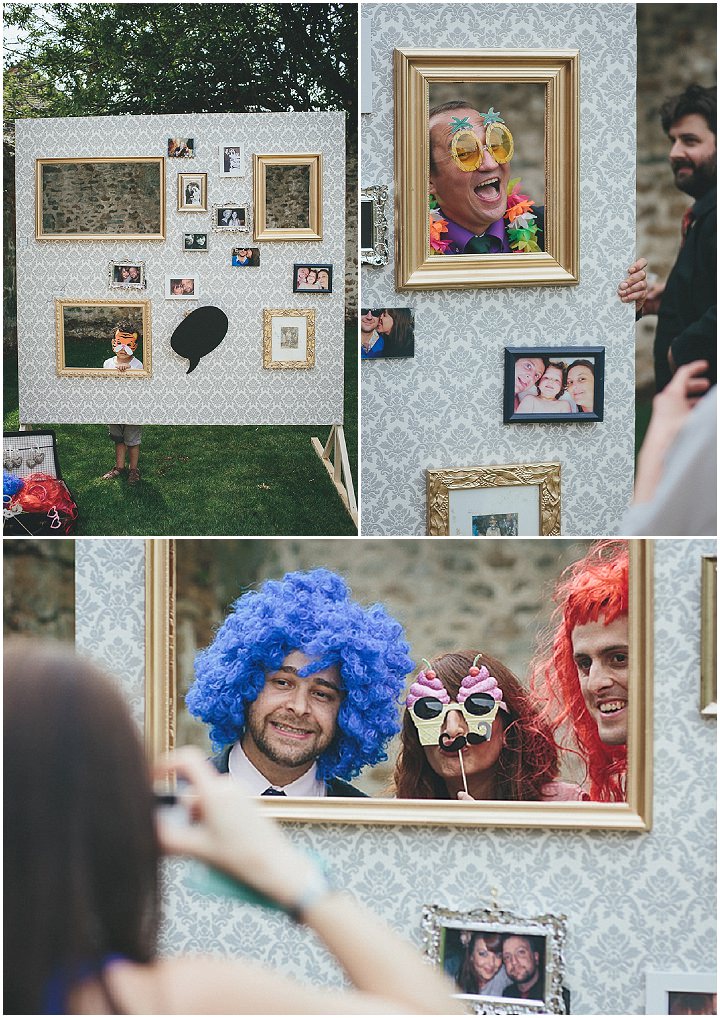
(240, 767)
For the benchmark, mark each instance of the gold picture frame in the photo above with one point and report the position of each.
(263, 229)
(140, 215)
(708, 636)
(288, 338)
(635, 814)
(99, 324)
(558, 265)
(444, 519)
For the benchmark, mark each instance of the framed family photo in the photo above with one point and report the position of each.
(287, 193)
(195, 242)
(288, 339)
(374, 249)
(486, 168)
(232, 160)
(126, 275)
(494, 501)
(100, 198)
(103, 338)
(192, 192)
(182, 287)
(312, 277)
(499, 961)
(231, 218)
(554, 384)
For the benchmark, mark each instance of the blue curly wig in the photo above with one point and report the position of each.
(311, 612)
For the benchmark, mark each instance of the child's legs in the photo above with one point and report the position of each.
(133, 437)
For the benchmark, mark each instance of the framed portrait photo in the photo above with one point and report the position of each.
(192, 192)
(126, 275)
(181, 148)
(103, 338)
(387, 333)
(520, 500)
(553, 383)
(231, 218)
(680, 992)
(182, 287)
(100, 199)
(374, 248)
(245, 257)
(232, 159)
(312, 278)
(288, 338)
(487, 952)
(486, 168)
(195, 242)
(287, 193)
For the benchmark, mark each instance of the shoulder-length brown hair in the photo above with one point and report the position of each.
(81, 853)
(467, 979)
(528, 759)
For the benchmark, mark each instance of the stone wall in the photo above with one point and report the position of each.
(676, 46)
(39, 588)
(101, 198)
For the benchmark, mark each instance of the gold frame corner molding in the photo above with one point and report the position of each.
(416, 268)
(314, 229)
(635, 814)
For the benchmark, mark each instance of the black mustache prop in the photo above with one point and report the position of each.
(459, 742)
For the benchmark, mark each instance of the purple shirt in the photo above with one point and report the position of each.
(459, 236)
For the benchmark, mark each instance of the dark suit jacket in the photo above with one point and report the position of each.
(687, 320)
(335, 786)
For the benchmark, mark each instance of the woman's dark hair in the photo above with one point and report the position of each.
(695, 99)
(586, 364)
(527, 761)
(81, 853)
(467, 980)
(400, 341)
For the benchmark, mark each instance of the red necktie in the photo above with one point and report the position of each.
(687, 220)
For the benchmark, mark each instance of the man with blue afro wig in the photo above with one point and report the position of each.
(301, 686)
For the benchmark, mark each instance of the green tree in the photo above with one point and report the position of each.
(94, 59)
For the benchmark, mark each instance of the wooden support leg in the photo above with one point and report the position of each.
(337, 465)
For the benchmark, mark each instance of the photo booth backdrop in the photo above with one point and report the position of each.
(444, 408)
(230, 386)
(627, 896)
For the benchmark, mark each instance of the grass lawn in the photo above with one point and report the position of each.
(209, 480)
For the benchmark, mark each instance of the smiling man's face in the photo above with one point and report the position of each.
(601, 657)
(476, 199)
(293, 720)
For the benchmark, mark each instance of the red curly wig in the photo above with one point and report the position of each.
(595, 585)
(527, 761)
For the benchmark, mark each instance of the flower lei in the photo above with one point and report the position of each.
(522, 229)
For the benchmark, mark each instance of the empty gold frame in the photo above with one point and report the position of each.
(634, 814)
(104, 198)
(312, 224)
(416, 267)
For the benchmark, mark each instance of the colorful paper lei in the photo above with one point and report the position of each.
(522, 229)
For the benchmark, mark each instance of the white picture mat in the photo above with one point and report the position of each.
(521, 499)
(238, 171)
(230, 385)
(284, 353)
(659, 984)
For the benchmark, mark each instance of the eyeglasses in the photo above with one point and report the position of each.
(467, 149)
(375, 312)
(478, 709)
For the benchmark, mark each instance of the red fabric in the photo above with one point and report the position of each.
(686, 221)
(45, 494)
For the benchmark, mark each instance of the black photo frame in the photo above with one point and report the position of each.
(317, 268)
(591, 358)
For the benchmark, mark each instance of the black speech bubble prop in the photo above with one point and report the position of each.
(202, 331)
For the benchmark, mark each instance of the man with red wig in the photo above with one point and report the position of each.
(583, 671)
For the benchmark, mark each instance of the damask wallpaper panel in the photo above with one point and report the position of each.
(230, 385)
(630, 898)
(444, 408)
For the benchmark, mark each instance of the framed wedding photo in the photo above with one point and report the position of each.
(232, 160)
(192, 192)
(556, 384)
(515, 224)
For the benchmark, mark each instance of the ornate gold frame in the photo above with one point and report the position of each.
(315, 229)
(708, 636)
(633, 815)
(65, 372)
(42, 235)
(268, 315)
(558, 70)
(441, 482)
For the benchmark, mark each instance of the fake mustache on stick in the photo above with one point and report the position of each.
(459, 742)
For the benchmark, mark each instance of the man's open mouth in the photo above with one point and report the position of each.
(488, 190)
(290, 730)
(612, 706)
